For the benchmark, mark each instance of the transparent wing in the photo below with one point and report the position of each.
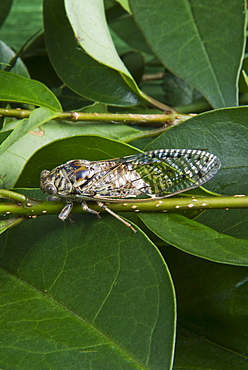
(173, 171)
(156, 174)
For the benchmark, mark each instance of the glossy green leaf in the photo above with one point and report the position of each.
(193, 40)
(126, 28)
(212, 303)
(36, 118)
(15, 88)
(90, 292)
(95, 40)
(25, 15)
(197, 239)
(93, 75)
(60, 151)
(6, 54)
(245, 78)
(124, 4)
(11, 222)
(135, 64)
(197, 352)
(4, 10)
(229, 221)
(4, 135)
(178, 92)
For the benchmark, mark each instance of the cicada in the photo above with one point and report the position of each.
(141, 177)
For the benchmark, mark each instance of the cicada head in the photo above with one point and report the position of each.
(55, 182)
(47, 182)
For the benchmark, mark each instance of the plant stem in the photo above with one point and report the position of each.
(11, 195)
(33, 207)
(112, 118)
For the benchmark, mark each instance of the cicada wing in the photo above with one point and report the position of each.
(156, 174)
(173, 171)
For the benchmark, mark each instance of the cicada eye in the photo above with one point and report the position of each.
(50, 188)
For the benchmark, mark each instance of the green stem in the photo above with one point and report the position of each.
(11, 195)
(112, 118)
(33, 208)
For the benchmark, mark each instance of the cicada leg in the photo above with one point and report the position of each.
(64, 214)
(100, 204)
(86, 208)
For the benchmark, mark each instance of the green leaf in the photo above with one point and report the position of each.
(19, 89)
(197, 239)
(245, 77)
(3, 135)
(193, 39)
(178, 92)
(4, 10)
(87, 292)
(212, 303)
(60, 151)
(10, 222)
(6, 54)
(196, 352)
(126, 28)
(24, 14)
(93, 72)
(233, 222)
(124, 4)
(135, 64)
(93, 34)
(36, 118)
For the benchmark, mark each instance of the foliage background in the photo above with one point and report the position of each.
(91, 294)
